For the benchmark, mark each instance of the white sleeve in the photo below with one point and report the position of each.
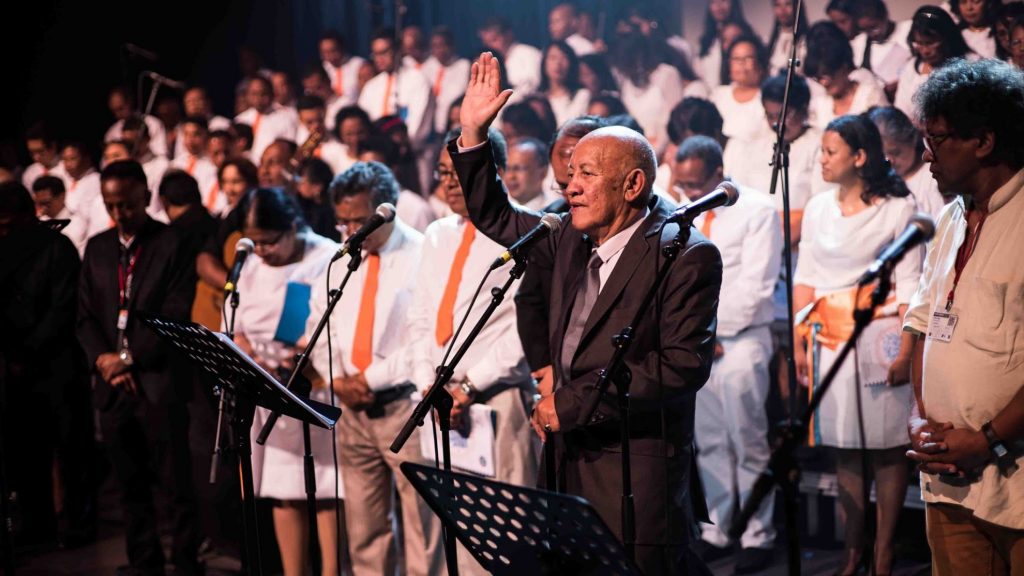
(421, 320)
(505, 361)
(908, 270)
(321, 357)
(762, 262)
(807, 267)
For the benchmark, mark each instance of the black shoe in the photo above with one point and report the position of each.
(708, 552)
(752, 560)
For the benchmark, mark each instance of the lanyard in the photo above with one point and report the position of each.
(124, 277)
(963, 255)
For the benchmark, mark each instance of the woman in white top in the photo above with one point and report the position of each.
(287, 259)
(780, 43)
(934, 38)
(977, 18)
(560, 82)
(710, 64)
(904, 148)
(739, 102)
(843, 231)
(830, 62)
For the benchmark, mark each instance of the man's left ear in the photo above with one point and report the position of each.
(634, 185)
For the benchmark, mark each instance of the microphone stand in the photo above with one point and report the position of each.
(301, 386)
(782, 465)
(785, 470)
(438, 398)
(616, 370)
(222, 392)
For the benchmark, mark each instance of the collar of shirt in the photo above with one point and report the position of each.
(612, 246)
(1005, 192)
(394, 240)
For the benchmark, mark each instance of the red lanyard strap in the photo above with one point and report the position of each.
(124, 276)
(963, 256)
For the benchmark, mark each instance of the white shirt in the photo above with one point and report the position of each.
(580, 45)
(76, 229)
(449, 84)
(35, 170)
(612, 248)
(414, 210)
(279, 122)
(406, 93)
(80, 194)
(652, 104)
(748, 161)
(157, 134)
(154, 167)
(739, 119)
(835, 249)
(970, 379)
(910, 80)
(205, 173)
(496, 356)
(778, 62)
(709, 66)
(345, 77)
(926, 192)
(749, 236)
(866, 95)
(439, 207)
(538, 202)
(566, 108)
(395, 285)
(522, 67)
(888, 57)
(982, 42)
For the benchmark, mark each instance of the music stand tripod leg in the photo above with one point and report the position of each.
(241, 424)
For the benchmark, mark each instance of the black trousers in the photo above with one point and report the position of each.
(148, 445)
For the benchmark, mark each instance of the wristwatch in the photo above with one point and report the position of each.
(126, 356)
(467, 388)
(994, 443)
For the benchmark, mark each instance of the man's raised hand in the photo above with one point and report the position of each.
(483, 100)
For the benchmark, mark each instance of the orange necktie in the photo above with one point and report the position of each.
(256, 125)
(211, 199)
(705, 228)
(191, 164)
(446, 313)
(437, 81)
(362, 344)
(339, 83)
(387, 95)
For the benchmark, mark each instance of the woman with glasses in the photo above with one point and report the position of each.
(739, 101)
(1007, 14)
(977, 21)
(934, 38)
(560, 82)
(904, 148)
(287, 259)
(711, 64)
(863, 416)
(830, 63)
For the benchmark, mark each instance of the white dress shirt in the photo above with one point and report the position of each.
(395, 286)
(522, 68)
(611, 249)
(157, 134)
(449, 84)
(279, 122)
(538, 202)
(749, 236)
(496, 356)
(35, 170)
(580, 45)
(971, 378)
(749, 161)
(414, 210)
(406, 93)
(345, 77)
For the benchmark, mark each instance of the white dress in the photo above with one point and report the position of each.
(867, 94)
(982, 42)
(566, 108)
(834, 251)
(739, 119)
(277, 465)
(652, 104)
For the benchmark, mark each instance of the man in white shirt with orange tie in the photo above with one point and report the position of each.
(371, 377)
(122, 106)
(342, 68)
(494, 371)
(731, 425)
(447, 74)
(194, 138)
(522, 61)
(313, 120)
(269, 121)
(398, 90)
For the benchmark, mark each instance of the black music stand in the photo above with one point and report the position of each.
(55, 224)
(249, 386)
(512, 530)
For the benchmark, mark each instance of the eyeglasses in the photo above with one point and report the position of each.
(933, 141)
(441, 174)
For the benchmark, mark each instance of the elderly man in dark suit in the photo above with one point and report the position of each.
(138, 266)
(604, 260)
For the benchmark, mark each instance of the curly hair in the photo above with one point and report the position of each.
(980, 97)
(880, 179)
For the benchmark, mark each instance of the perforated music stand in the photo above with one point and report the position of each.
(512, 530)
(250, 386)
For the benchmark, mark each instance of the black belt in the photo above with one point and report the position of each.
(385, 397)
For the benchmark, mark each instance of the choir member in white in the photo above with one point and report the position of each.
(269, 121)
(521, 61)
(904, 148)
(398, 90)
(560, 82)
(525, 173)
(934, 39)
(447, 74)
(739, 101)
(830, 63)
(45, 154)
(882, 47)
(341, 67)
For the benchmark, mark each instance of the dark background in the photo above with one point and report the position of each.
(61, 57)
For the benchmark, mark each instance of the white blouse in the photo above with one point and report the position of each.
(866, 95)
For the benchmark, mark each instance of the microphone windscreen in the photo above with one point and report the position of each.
(387, 210)
(552, 221)
(925, 224)
(244, 245)
(731, 190)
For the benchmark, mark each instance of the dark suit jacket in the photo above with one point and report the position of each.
(533, 301)
(670, 358)
(163, 283)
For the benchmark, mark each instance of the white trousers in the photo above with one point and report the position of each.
(732, 436)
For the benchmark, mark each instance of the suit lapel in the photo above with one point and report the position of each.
(564, 296)
(144, 262)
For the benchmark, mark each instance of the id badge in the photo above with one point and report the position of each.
(942, 326)
(122, 319)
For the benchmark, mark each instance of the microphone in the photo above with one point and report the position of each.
(160, 79)
(243, 248)
(920, 229)
(549, 224)
(725, 194)
(385, 213)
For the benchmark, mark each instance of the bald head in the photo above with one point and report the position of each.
(629, 150)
